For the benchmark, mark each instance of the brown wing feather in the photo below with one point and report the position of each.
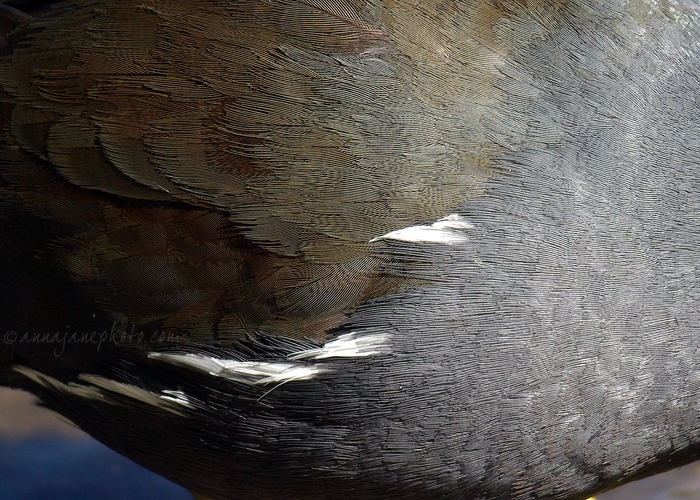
(224, 165)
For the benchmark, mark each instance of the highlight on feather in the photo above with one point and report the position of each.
(288, 369)
(246, 372)
(348, 345)
(101, 388)
(447, 230)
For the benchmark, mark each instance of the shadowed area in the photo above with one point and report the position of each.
(45, 457)
(42, 457)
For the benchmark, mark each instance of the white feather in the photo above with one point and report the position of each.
(448, 230)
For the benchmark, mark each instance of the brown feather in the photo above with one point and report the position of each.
(295, 133)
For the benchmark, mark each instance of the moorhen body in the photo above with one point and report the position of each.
(318, 249)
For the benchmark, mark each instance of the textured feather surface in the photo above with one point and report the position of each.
(300, 123)
(504, 193)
